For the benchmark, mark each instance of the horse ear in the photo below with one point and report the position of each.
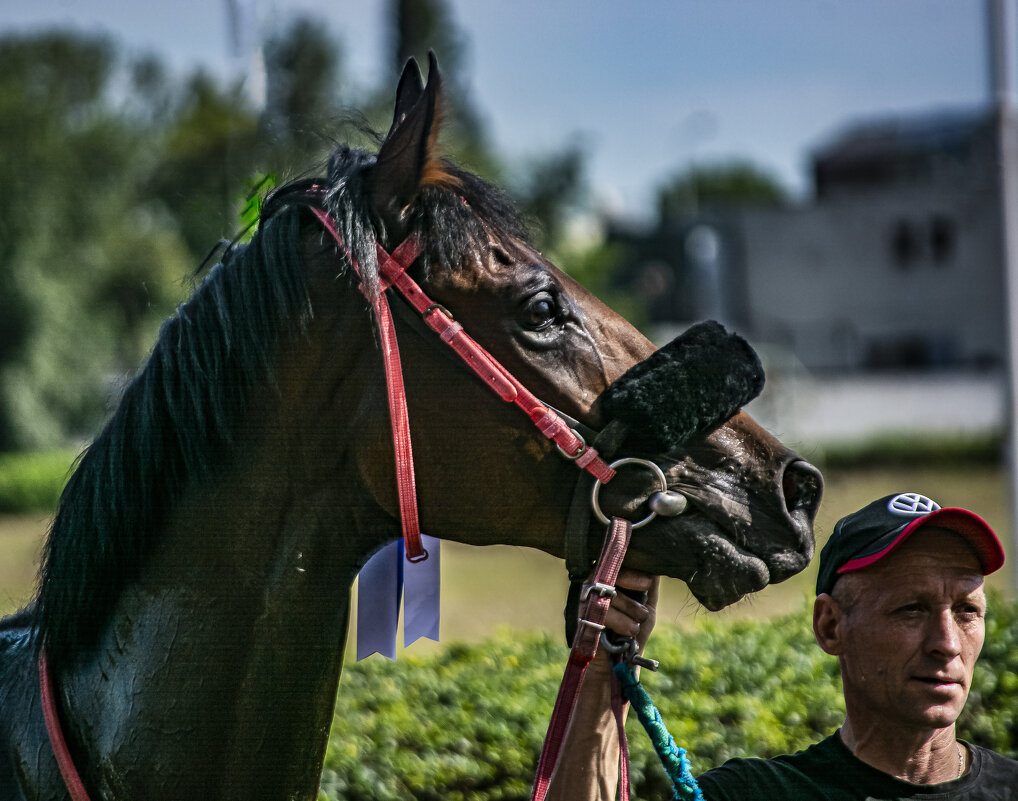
(408, 92)
(407, 159)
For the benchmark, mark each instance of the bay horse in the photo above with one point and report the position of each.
(194, 592)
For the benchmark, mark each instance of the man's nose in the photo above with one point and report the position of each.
(944, 635)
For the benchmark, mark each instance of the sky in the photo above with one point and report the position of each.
(648, 88)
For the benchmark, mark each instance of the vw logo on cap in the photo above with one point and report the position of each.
(911, 504)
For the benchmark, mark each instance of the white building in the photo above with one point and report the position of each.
(894, 263)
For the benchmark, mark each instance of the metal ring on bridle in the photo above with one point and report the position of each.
(579, 451)
(658, 472)
(625, 646)
(437, 307)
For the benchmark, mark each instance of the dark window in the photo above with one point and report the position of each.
(942, 239)
(904, 244)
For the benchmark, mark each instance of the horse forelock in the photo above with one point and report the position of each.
(172, 427)
(457, 220)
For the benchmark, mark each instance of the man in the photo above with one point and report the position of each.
(900, 602)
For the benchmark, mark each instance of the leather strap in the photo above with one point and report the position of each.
(579, 560)
(392, 270)
(593, 612)
(399, 417)
(72, 779)
(406, 484)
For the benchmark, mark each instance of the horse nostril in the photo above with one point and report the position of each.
(802, 485)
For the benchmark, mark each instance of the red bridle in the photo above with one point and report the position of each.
(392, 269)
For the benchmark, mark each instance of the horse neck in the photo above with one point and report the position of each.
(218, 676)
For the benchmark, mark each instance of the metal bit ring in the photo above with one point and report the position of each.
(658, 472)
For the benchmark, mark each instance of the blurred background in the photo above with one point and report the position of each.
(831, 180)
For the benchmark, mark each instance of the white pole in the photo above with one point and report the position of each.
(245, 47)
(1001, 25)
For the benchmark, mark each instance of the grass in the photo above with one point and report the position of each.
(485, 589)
(21, 539)
(33, 480)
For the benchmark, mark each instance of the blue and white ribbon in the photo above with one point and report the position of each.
(386, 579)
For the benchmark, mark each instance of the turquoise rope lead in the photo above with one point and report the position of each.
(673, 757)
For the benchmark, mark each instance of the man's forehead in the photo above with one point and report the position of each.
(877, 591)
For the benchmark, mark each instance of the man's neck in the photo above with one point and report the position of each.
(928, 757)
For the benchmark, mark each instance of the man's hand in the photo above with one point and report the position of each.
(629, 617)
(588, 768)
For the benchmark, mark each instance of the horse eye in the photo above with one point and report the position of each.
(539, 312)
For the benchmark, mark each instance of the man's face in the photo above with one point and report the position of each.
(907, 631)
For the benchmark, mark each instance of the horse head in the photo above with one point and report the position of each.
(487, 477)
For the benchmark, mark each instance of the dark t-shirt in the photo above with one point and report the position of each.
(828, 771)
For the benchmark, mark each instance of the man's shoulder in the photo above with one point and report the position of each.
(817, 772)
(993, 765)
(827, 771)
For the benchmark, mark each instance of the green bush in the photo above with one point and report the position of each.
(469, 722)
(31, 482)
(907, 450)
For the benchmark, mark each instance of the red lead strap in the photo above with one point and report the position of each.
(392, 271)
(593, 611)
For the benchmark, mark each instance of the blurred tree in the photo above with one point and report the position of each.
(207, 152)
(71, 163)
(735, 183)
(549, 189)
(303, 67)
(149, 101)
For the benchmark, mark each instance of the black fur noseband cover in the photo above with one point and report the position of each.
(696, 381)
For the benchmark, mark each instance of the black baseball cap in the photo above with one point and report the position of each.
(867, 536)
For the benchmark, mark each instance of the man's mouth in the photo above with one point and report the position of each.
(944, 682)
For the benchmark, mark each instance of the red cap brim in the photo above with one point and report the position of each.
(971, 526)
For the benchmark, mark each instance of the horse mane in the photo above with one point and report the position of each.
(173, 425)
(176, 420)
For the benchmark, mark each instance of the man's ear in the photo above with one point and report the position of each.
(827, 629)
